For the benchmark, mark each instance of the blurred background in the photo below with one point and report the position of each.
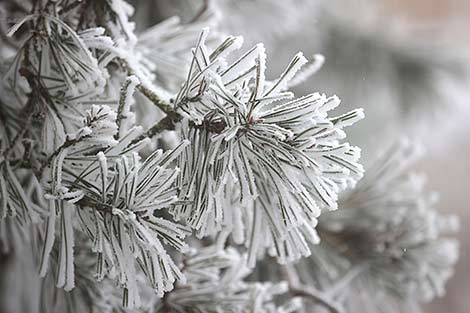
(448, 168)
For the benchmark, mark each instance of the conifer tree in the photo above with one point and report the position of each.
(165, 171)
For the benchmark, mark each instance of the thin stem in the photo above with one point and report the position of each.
(344, 281)
(68, 142)
(167, 123)
(17, 138)
(87, 202)
(297, 289)
(122, 103)
(70, 7)
(152, 96)
(315, 295)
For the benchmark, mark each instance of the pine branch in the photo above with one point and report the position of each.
(167, 123)
(172, 117)
(252, 169)
(157, 101)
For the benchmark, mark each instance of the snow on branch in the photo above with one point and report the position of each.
(109, 192)
(282, 156)
(114, 195)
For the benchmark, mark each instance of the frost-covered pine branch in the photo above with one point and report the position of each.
(250, 134)
(166, 172)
